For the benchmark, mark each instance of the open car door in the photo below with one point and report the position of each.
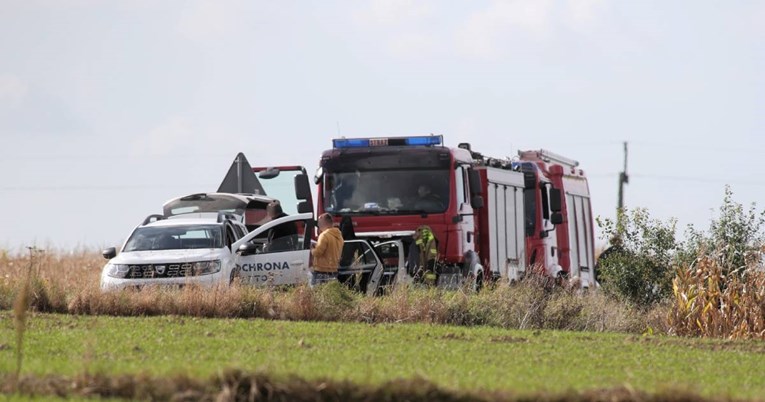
(289, 185)
(276, 261)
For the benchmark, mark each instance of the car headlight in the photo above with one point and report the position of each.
(117, 270)
(206, 267)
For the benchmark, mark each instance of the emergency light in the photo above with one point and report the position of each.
(425, 140)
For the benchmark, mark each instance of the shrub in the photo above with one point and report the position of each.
(638, 267)
(734, 238)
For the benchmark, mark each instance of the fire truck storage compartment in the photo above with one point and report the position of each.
(506, 222)
(580, 231)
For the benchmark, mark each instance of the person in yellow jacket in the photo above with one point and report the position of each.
(426, 242)
(326, 253)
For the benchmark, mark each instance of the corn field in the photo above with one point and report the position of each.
(708, 302)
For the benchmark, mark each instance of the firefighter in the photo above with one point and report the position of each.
(427, 244)
(427, 201)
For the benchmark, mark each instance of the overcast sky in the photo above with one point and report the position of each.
(109, 108)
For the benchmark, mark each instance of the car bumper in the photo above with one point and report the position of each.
(205, 281)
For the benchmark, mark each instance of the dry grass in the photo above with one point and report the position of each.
(69, 284)
(709, 303)
(240, 386)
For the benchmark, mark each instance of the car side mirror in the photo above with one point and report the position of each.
(556, 218)
(247, 249)
(109, 253)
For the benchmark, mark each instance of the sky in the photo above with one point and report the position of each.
(110, 108)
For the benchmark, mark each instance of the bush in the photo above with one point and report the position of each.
(638, 266)
(734, 238)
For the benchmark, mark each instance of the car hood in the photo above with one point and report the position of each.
(167, 256)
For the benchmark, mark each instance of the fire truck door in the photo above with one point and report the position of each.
(466, 226)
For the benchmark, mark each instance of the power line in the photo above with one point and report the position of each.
(109, 156)
(674, 146)
(100, 188)
(706, 180)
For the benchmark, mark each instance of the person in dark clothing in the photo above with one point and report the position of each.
(280, 237)
(427, 201)
(346, 228)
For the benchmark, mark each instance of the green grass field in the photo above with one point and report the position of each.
(476, 358)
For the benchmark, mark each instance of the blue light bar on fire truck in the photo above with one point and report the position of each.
(425, 140)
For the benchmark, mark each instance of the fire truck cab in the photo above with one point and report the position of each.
(492, 218)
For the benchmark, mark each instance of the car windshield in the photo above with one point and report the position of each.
(175, 238)
(387, 191)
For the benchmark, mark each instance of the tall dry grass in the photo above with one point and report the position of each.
(242, 386)
(710, 301)
(69, 283)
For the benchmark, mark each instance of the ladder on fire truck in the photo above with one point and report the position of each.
(549, 157)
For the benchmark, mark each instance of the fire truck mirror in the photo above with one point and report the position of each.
(269, 173)
(556, 218)
(318, 175)
(556, 198)
(302, 187)
(304, 207)
(476, 201)
(475, 182)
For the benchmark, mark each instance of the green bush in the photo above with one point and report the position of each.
(734, 239)
(638, 266)
(644, 253)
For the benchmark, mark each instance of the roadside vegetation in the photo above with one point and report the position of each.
(711, 284)
(528, 305)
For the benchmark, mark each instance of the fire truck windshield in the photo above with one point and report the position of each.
(395, 192)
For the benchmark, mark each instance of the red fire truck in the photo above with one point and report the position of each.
(492, 218)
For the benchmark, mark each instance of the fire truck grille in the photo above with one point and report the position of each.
(149, 271)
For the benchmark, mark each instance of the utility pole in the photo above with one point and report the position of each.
(623, 179)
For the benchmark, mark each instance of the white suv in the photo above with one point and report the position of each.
(176, 251)
(210, 252)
